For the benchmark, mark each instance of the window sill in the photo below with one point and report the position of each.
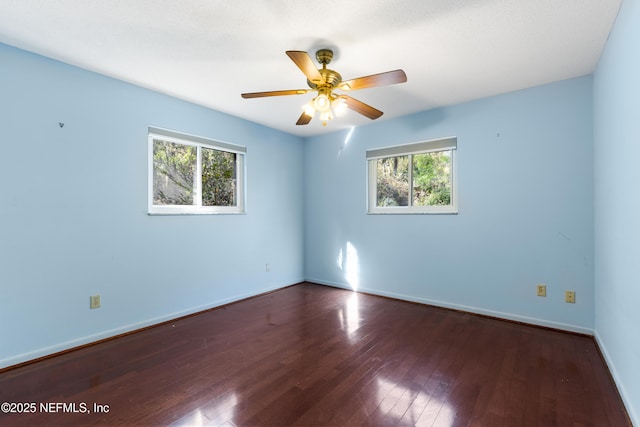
(183, 211)
(413, 212)
(193, 213)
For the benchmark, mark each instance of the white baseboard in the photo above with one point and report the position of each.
(469, 309)
(617, 379)
(46, 351)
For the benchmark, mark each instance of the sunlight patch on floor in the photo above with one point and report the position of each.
(412, 407)
(349, 316)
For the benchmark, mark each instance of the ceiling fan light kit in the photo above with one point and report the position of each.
(323, 81)
(327, 104)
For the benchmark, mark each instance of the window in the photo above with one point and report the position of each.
(194, 175)
(413, 178)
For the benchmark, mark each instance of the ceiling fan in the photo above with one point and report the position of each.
(324, 81)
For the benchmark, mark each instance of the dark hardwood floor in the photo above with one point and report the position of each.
(310, 355)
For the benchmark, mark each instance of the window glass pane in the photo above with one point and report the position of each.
(432, 179)
(174, 167)
(392, 181)
(218, 178)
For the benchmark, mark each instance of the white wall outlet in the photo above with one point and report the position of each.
(267, 268)
(94, 301)
(541, 290)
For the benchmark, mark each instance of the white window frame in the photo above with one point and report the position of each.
(199, 143)
(442, 144)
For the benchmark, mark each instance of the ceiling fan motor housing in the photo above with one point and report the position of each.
(331, 77)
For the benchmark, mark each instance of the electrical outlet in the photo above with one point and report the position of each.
(267, 268)
(570, 297)
(94, 301)
(541, 290)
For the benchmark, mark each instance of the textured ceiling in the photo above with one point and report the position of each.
(211, 51)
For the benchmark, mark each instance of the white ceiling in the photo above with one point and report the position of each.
(211, 51)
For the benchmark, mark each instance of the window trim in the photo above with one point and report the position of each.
(198, 142)
(430, 146)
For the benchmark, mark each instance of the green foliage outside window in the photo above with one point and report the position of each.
(174, 168)
(432, 179)
(393, 181)
(218, 178)
(430, 174)
(174, 175)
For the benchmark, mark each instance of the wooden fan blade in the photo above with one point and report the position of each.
(361, 107)
(275, 93)
(382, 79)
(306, 65)
(304, 119)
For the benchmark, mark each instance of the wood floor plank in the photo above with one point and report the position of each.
(310, 355)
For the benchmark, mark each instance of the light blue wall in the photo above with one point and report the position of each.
(73, 219)
(525, 210)
(617, 203)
